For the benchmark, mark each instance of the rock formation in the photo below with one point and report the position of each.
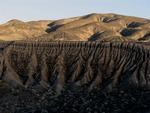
(82, 63)
(56, 72)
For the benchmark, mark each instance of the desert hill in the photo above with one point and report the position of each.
(99, 27)
(19, 30)
(98, 63)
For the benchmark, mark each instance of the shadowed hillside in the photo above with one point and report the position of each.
(90, 63)
(75, 76)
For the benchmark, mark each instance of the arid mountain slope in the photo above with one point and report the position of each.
(100, 27)
(81, 63)
(19, 30)
(95, 63)
(57, 77)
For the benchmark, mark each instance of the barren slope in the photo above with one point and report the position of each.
(77, 62)
(100, 27)
(19, 30)
(34, 73)
(80, 77)
(96, 63)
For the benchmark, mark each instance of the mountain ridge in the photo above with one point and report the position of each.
(91, 27)
(94, 63)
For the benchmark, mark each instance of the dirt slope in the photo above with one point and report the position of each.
(19, 30)
(100, 27)
(77, 62)
(73, 76)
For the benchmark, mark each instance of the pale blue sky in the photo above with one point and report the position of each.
(56, 9)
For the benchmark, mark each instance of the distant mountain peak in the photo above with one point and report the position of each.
(14, 21)
(91, 27)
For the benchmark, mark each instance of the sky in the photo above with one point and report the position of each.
(28, 10)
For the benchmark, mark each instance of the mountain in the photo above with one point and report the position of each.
(92, 27)
(19, 30)
(98, 63)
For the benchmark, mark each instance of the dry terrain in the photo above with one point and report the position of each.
(98, 63)
(92, 27)
(45, 77)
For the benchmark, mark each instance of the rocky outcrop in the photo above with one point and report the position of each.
(57, 77)
(97, 65)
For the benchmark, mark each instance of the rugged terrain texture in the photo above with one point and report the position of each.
(92, 27)
(44, 77)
